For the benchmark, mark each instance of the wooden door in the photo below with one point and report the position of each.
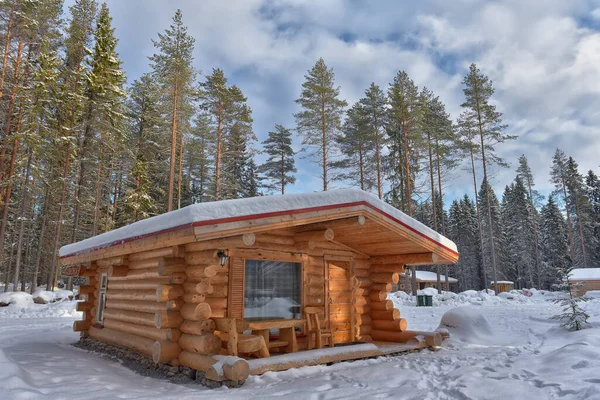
(339, 300)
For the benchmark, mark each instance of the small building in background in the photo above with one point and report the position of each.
(503, 286)
(425, 279)
(584, 280)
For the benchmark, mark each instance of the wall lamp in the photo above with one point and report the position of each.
(223, 257)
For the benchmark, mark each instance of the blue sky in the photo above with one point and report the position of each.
(543, 56)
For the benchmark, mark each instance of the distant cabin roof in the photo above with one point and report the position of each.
(224, 211)
(585, 274)
(504, 282)
(429, 276)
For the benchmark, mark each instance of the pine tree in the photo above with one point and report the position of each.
(201, 163)
(463, 230)
(373, 107)
(280, 166)
(581, 211)
(228, 110)
(356, 144)
(554, 243)
(173, 69)
(573, 318)
(524, 172)
(405, 143)
(319, 121)
(593, 192)
(491, 231)
(558, 176)
(488, 123)
(239, 170)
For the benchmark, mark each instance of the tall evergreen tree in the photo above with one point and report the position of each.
(488, 123)
(492, 234)
(405, 142)
(373, 107)
(462, 229)
(280, 167)
(581, 211)
(319, 120)
(559, 177)
(201, 159)
(593, 192)
(554, 243)
(173, 69)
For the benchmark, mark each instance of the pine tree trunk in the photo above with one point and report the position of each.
(487, 199)
(24, 199)
(483, 271)
(569, 222)
(584, 253)
(361, 168)
(98, 189)
(439, 181)
(433, 200)
(378, 160)
(324, 139)
(282, 172)
(180, 177)
(535, 236)
(6, 49)
(38, 257)
(173, 150)
(407, 171)
(219, 152)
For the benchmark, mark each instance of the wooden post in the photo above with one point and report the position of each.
(413, 278)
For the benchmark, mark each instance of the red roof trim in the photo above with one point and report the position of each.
(267, 215)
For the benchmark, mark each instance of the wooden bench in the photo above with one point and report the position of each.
(230, 331)
(287, 333)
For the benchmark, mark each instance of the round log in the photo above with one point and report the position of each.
(143, 306)
(238, 370)
(219, 291)
(277, 239)
(135, 285)
(169, 292)
(164, 351)
(359, 300)
(200, 362)
(218, 313)
(220, 279)
(391, 277)
(382, 305)
(218, 303)
(107, 262)
(385, 315)
(172, 251)
(381, 287)
(202, 287)
(86, 289)
(249, 239)
(195, 312)
(362, 319)
(197, 327)
(206, 343)
(201, 271)
(378, 296)
(194, 298)
(360, 282)
(166, 270)
(433, 339)
(123, 339)
(144, 331)
(79, 326)
(396, 326)
(138, 295)
(148, 263)
(84, 306)
(383, 268)
(167, 319)
(202, 257)
(362, 309)
(134, 317)
(322, 235)
(362, 273)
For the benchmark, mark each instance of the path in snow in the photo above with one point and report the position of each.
(527, 357)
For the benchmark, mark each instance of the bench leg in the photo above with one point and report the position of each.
(264, 349)
(289, 335)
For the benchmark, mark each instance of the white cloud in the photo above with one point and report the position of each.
(545, 63)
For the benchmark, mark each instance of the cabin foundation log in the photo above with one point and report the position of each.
(127, 340)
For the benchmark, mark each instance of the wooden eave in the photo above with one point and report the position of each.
(381, 235)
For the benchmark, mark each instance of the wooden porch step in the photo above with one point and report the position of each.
(277, 343)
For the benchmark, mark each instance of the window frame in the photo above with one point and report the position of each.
(102, 297)
(282, 260)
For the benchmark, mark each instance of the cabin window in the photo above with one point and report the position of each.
(102, 298)
(273, 290)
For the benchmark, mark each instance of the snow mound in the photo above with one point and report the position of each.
(29, 309)
(428, 291)
(402, 299)
(465, 324)
(17, 299)
(45, 297)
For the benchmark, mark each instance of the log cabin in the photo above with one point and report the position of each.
(425, 279)
(503, 286)
(583, 280)
(238, 287)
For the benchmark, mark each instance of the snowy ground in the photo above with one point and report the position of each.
(518, 354)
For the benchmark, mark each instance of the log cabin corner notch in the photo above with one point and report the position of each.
(171, 297)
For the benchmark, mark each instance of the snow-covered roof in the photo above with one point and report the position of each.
(255, 207)
(585, 274)
(429, 276)
(504, 282)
